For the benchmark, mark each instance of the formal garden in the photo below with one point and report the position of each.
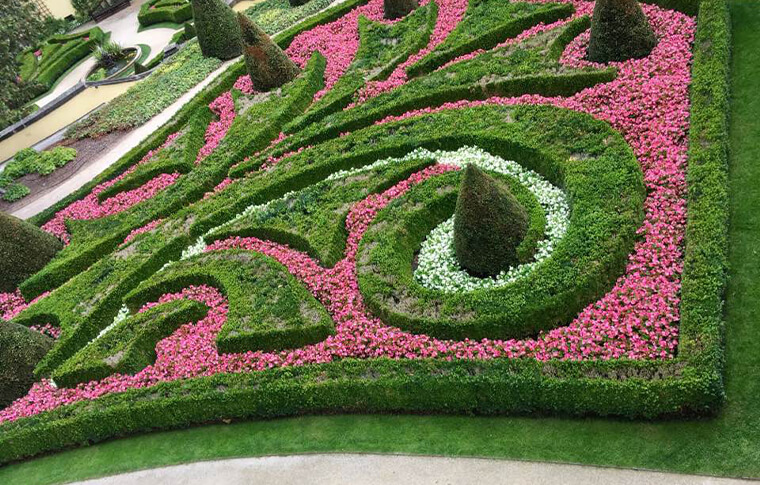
(463, 209)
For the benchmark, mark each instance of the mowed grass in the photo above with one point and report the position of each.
(726, 445)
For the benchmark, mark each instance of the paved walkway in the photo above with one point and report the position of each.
(349, 469)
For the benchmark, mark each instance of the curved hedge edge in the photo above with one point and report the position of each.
(223, 83)
(490, 39)
(493, 387)
(706, 249)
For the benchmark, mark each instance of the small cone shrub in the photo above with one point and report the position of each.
(217, 29)
(20, 350)
(619, 31)
(267, 64)
(489, 224)
(393, 9)
(24, 250)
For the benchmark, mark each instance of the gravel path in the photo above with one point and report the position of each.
(368, 469)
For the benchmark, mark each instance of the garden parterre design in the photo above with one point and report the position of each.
(268, 254)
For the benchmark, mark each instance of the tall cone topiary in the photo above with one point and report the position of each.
(21, 348)
(267, 64)
(489, 224)
(217, 29)
(619, 31)
(393, 9)
(24, 250)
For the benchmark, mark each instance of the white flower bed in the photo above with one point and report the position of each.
(438, 268)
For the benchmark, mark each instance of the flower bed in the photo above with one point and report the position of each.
(302, 243)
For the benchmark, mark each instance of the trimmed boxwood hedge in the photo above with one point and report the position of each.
(689, 384)
(130, 346)
(250, 281)
(158, 11)
(531, 67)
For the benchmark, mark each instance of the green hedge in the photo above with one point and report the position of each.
(130, 345)
(174, 11)
(251, 282)
(605, 188)
(507, 19)
(20, 350)
(223, 83)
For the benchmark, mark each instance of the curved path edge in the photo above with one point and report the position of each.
(370, 469)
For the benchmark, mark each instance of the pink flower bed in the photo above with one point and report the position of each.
(90, 208)
(450, 13)
(224, 107)
(637, 319)
(338, 41)
(141, 230)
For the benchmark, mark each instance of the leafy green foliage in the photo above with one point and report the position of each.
(381, 48)
(619, 31)
(487, 23)
(251, 282)
(489, 224)
(313, 219)
(24, 250)
(130, 345)
(531, 66)
(217, 29)
(20, 350)
(158, 11)
(29, 161)
(604, 184)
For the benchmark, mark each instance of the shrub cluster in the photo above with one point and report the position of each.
(158, 11)
(24, 250)
(20, 350)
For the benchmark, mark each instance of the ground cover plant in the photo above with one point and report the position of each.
(335, 213)
(29, 161)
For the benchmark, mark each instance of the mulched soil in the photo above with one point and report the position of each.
(88, 151)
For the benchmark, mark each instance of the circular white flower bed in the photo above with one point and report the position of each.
(438, 268)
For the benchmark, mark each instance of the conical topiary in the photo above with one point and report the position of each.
(267, 64)
(20, 350)
(393, 9)
(24, 250)
(489, 224)
(619, 31)
(217, 29)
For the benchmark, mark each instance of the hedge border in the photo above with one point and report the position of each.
(176, 15)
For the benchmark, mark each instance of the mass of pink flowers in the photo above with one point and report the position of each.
(141, 230)
(338, 41)
(637, 319)
(89, 207)
(224, 108)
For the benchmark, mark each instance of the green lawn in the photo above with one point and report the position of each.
(726, 445)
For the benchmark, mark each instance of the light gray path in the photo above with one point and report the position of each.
(115, 153)
(365, 469)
